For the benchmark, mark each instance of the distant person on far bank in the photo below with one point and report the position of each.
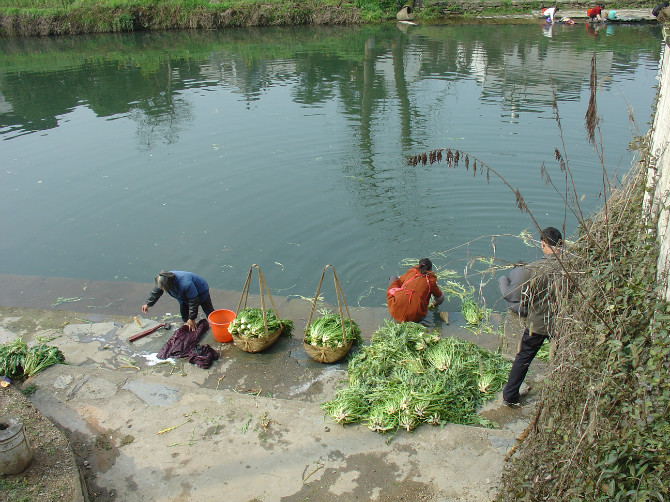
(550, 14)
(595, 14)
(535, 290)
(189, 289)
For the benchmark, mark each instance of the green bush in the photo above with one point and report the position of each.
(602, 431)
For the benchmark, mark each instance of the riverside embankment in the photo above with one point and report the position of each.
(250, 427)
(20, 18)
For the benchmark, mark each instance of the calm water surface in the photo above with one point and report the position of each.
(209, 151)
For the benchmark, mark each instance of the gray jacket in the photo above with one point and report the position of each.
(530, 291)
(510, 287)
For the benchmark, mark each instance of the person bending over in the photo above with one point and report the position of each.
(550, 14)
(595, 14)
(189, 289)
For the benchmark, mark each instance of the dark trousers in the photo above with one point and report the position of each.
(530, 345)
(206, 306)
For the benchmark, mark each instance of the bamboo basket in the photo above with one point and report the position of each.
(329, 354)
(256, 344)
(260, 343)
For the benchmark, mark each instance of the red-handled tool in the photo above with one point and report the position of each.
(149, 331)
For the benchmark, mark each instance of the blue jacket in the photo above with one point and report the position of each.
(188, 289)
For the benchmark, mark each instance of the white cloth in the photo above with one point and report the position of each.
(549, 13)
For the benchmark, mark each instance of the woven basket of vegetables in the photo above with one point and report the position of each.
(249, 329)
(328, 339)
(256, 329)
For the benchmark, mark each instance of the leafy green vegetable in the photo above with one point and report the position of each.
(12, 357)
(472, 312)
(249, 323)
(326, 331)
(40, 357)
(17, 360)
(408, 376)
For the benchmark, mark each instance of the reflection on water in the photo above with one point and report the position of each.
(125, 154)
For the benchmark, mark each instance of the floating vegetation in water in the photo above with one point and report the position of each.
(473, 313)
(409, 376)
(453, 288)
(60, 300)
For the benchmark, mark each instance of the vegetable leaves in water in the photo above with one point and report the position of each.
(326, 331)
(408, 376)
(473, 313)
(249, 323)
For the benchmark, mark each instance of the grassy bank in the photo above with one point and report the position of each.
(61, 17)
(20, 18)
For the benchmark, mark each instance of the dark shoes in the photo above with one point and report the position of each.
(512, 404)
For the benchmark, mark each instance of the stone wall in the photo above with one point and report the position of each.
(659, 175)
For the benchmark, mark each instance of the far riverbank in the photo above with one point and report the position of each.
(24, 18)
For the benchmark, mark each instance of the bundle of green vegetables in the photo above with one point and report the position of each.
(326, 331)
(249, 323)
(473, 313)
(19, 361)
(409, 376)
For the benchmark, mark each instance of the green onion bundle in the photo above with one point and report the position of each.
(19, 361)
(472, 312)
(40, 357)
(408, 376)
(326, 331)
(249, 323)
(12, 357)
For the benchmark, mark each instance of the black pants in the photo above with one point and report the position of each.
(206, 306)
(530, 345)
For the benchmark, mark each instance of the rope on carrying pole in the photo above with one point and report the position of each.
(263, 289)
(340, 301)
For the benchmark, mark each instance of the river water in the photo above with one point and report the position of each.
(210, 151)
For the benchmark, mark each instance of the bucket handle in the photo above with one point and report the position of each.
(340, 301)
(263, 287)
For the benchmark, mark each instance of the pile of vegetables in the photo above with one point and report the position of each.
(409, 376)
(326, 331)
(17, 360)
(249, 323)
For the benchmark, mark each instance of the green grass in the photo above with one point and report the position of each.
(67, 17)
(15, 491)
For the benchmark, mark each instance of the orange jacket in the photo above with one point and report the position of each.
(407, 297)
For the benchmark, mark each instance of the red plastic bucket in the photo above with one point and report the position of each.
(219, 321)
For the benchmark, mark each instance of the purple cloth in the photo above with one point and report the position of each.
(183, 340)
(203, 356)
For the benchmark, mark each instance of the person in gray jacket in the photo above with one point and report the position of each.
(510, 287)
(536, 290)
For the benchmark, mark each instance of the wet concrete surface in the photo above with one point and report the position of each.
(248, 428)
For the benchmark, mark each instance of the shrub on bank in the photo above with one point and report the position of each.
(53, 17)
(602, 428)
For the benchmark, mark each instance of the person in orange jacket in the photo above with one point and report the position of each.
(408, 296)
